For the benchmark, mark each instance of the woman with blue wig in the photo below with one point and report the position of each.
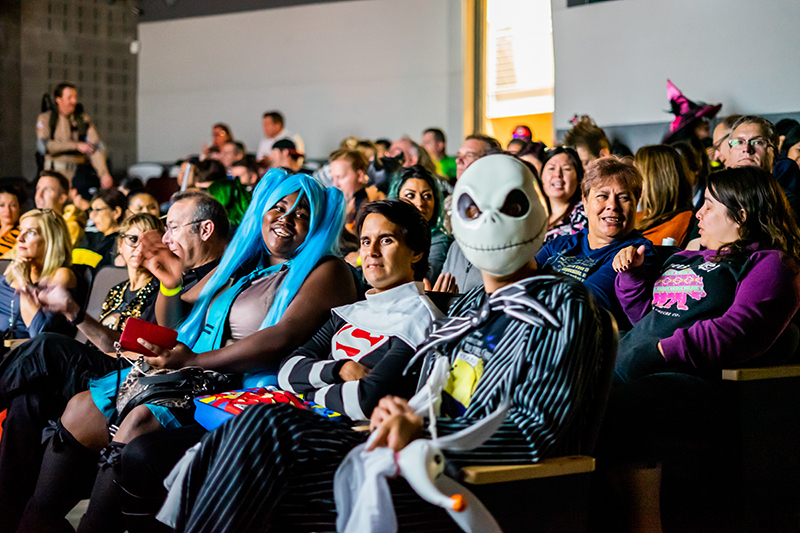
(420, 188)
(273, 289)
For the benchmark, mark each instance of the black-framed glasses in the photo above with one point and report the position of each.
(174, 227)
(756, 142)
(131, 240)
(93, 210)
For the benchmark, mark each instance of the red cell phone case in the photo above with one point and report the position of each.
(154, 334)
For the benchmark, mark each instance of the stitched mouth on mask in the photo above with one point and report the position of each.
(494, 248)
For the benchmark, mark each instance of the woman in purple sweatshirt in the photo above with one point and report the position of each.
(716, 308)
(721, 306)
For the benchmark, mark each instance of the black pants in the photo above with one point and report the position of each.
(36, 381)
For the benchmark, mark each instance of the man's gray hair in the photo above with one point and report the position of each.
(767, 128)
(206, 207)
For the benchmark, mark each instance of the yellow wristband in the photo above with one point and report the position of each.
(170, 292)
(358, 261)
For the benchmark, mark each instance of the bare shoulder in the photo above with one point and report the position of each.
(65, 277)
(331, 273)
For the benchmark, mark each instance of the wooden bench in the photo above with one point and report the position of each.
(557, 466)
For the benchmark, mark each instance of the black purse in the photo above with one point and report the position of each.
(174, 389)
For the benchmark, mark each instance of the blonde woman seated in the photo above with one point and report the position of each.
(42, 254)
(666, 195)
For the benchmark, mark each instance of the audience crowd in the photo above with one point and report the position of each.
(396, 287)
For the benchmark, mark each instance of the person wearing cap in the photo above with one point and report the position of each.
(434, 141)
(522, 133)
(531, 337)
(284, 154)
(272, 122)
(67, 138)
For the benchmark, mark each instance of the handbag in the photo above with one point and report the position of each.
(174, 389)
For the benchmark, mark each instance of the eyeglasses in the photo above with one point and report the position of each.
(756, 143)
(717, 145)
(92, 210)
(174, 227)
(131, 240)
(467, 155)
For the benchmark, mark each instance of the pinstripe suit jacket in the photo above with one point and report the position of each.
(548, 359)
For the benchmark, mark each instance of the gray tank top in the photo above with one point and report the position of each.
(251, 306)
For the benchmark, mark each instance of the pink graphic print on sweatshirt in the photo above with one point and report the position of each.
(675, 285)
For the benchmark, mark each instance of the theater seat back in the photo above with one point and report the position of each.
(104, 280)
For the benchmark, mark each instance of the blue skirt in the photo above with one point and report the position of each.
(103, 391)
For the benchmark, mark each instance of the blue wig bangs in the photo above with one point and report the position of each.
(326, 220)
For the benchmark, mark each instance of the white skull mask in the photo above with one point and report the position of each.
(499, 217)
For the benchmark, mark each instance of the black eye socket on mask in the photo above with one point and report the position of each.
(467, 208)
(516, 204)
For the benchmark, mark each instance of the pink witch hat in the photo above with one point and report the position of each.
(686, 112)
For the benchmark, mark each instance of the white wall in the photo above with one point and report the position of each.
(612, 59)
(370, 68)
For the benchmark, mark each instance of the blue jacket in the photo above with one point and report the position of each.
(571, 255)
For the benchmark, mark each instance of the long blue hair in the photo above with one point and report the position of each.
(327, 220)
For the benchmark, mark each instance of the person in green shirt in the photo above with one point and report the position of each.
(434, 141)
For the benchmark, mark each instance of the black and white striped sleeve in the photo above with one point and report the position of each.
(310, 366)
(357, 399)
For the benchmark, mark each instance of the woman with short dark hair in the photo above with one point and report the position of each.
(107, 211)
(611, 190)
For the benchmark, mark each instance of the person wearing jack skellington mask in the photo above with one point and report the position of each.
(500, 215)
(499, 231)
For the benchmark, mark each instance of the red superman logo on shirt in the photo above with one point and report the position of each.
(354, 343)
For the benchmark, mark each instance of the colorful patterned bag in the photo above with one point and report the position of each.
(213, 410)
